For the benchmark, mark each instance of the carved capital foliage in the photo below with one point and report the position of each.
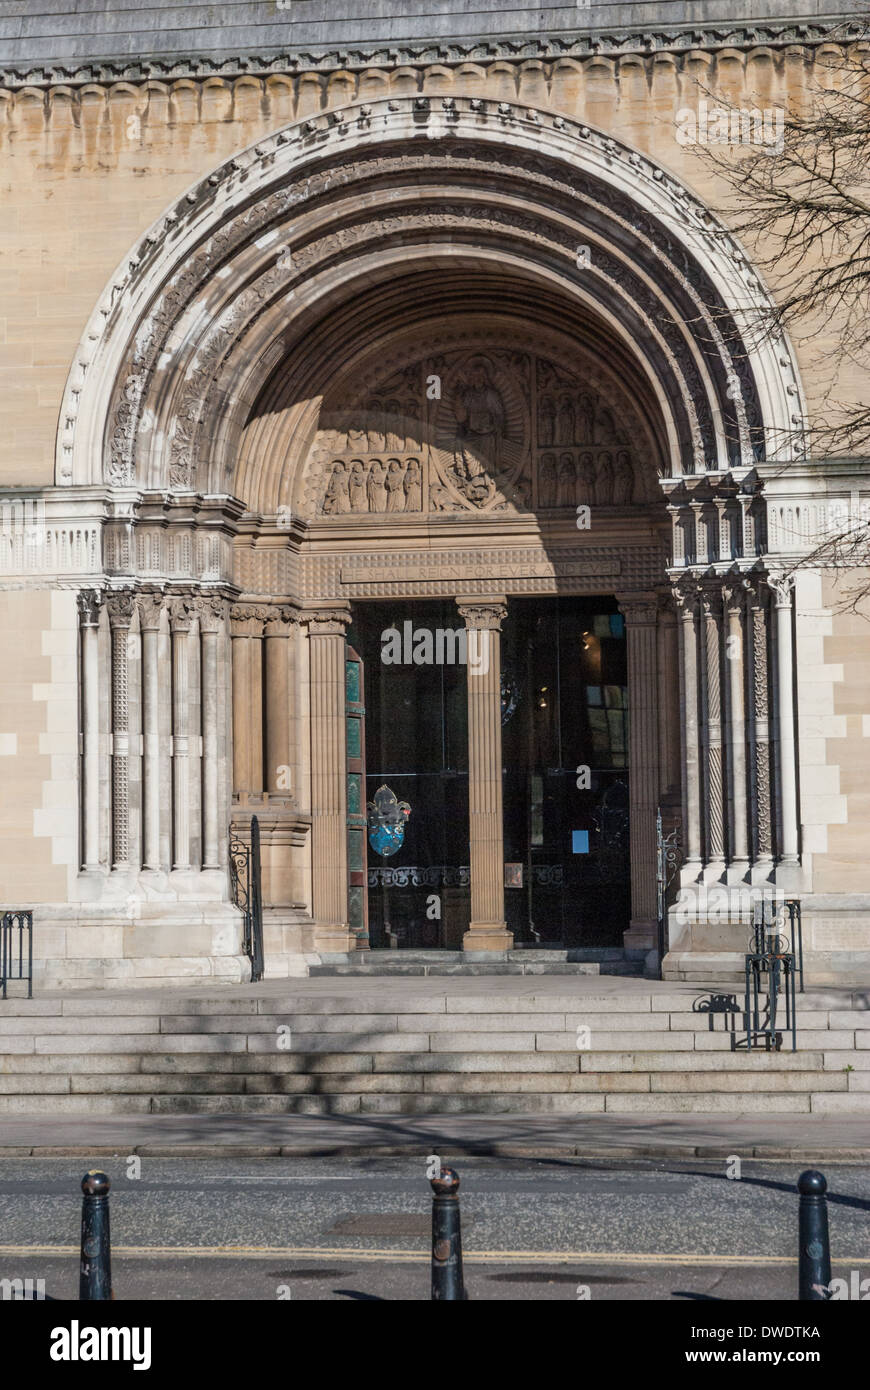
(212, 613)
(781, 586)
(182, 612)
(120, 607)
(639, 610)
(484, 616)
(327, 622)
(150, 609)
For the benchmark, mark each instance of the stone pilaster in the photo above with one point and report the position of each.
(150, 612)
(281, 626)
(487, 930)
(641, 614)
(326, 640)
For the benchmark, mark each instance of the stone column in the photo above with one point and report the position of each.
(246, 627)
(150, 609)
(782, 590)
(280, 625)
(487, 929)
(326, 639)
(759, 731)
(211, 620)
(711, 704)
(686, 596)
(641, 613)
(735, 666)
(180, 618)
(89, 602)
(125, 850)
(668, 696)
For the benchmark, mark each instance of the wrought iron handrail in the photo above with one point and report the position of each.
(246, 889)
(668, 860)
(9, 921)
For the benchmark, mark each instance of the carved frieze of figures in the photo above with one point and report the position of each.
(373, 486)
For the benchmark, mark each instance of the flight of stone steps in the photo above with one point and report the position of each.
(388, 1047)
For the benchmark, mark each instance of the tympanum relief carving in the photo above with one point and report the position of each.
(478, 429)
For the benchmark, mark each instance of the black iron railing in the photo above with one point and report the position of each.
(16, 954)
(245, 882)
(668, 860)
(772, 967)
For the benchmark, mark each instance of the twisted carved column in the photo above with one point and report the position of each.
(125, 848)
(759, 729)
(641, 614)
(781, 588)
(735, 666)
(326, 636)
(89, 603)
(488, 930)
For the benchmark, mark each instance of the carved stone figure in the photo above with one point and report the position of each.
(586, 419)
(567, 481)
(547, 484)
(586, 478)
(413, 487)
(395, 486)
(480, 423)
(604, 480)
(546, 423)
(358, 497)
(566, 422)
(605, 429)
(376, 487)
(623, 480)
(337, 500)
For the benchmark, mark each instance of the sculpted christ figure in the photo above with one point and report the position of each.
(480, 422)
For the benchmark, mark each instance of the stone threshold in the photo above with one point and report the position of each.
(586, 960)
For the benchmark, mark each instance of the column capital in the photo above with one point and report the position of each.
(211, 611)
(781, 586)
(486, 613)
(639, 610)
(248, 619)
(281, 620)
(150, 610)
(89, 602)
(120, 606)
(181, 614)
(734, 591)
(327, 620)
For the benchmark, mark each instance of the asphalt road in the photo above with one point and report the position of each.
(358, 1229)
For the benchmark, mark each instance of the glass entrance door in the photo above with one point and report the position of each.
(565, 755)
(416, 772)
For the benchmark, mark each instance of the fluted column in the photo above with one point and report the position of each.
(711, 705)
(125, 850)
(686, 597)
(326, 638)
(487, 929)
(735, 667)
(89, 602)
(211, 622)
(781, 589)
(247, 636)
(640, 612)
(180, 618)
(150, 609)
(759, 731)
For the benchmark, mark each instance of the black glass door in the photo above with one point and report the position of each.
(565, 757)
(416, 757)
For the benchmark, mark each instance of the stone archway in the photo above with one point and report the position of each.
(213, 401)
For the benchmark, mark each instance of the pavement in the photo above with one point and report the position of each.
(357, 1229)
(803, 1138)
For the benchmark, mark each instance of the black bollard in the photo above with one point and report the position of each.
(814, 1251)
(447, 1278)
(95, 1271)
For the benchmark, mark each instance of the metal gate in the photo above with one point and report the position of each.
(246, 888)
